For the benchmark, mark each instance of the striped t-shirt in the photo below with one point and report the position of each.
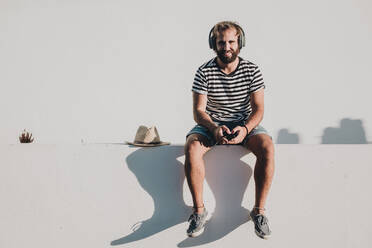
(228, 95)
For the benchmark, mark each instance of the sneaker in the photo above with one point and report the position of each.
(197, 223)
(261, 225)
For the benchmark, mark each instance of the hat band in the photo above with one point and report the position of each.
(141, 142)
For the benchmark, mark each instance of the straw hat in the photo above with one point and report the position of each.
(147, 137)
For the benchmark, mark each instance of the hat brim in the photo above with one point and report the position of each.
(161, 143)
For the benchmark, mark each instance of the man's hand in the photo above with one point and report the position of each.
(242, 133)
(218, 134)
(26, 137)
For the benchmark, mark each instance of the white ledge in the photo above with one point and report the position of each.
(95, 195)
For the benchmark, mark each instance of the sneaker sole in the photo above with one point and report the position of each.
(266, 237)
(196, 234)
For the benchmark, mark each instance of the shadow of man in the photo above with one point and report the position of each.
(228, 178)
(162, 176)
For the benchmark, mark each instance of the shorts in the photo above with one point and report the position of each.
(231, 125)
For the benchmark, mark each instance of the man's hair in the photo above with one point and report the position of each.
(223, 26)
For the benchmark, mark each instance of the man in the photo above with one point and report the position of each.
(228, 100)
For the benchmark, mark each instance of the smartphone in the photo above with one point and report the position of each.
(230, 136)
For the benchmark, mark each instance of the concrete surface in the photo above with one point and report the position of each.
(107, 195)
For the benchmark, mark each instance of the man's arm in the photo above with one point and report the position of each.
(257, 103)
(256, 116)
(202, 118)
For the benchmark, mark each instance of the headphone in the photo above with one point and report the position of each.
(241, 39)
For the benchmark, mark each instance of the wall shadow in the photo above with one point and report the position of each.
(285, 137)
(349, 132)
(161, 175)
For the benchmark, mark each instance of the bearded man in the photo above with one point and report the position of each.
(228, 105)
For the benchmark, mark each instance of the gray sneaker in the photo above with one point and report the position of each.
(197, 223)
(261, 225)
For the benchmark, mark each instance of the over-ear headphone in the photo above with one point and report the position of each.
(241, 39)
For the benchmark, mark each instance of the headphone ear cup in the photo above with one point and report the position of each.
(213, 43)
(241, 39)
(211, 39)
(210, 42)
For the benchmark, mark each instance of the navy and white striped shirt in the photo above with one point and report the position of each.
(228, 95)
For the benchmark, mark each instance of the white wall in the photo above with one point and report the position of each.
(96, 196)
(96, 70)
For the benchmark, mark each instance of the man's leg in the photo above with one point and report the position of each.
(195, 148)
(262, 146)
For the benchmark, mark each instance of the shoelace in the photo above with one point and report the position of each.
(194, 219)
(261, 220)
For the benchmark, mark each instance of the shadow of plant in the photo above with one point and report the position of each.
(349, 132)
(285, 137)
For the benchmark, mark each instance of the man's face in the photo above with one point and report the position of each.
(227, 47)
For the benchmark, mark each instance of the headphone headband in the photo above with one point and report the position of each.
(212, 38)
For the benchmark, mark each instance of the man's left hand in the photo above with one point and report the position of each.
(242, 133)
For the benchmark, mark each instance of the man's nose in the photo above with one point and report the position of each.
(226, 46)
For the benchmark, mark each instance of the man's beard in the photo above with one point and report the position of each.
(225, 59)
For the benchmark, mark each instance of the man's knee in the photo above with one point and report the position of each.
(196, 145)
(268, 147)
(264, 148)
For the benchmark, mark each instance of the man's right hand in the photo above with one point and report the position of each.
(218, 134)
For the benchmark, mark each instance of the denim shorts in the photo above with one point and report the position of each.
(231, 125)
